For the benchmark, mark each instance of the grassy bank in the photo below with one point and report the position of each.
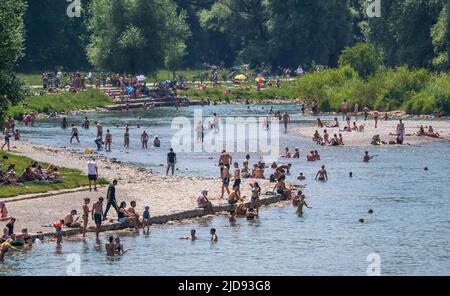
(248, 91)
(71, 178)
(64, 102)
(414, 91)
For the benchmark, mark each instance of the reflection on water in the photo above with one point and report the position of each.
(409, 228)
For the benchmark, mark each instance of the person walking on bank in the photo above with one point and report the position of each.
(171, 161)
(111, 199)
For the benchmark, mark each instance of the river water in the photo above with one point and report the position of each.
(409, 231)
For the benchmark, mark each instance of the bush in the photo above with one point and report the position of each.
(361, 57)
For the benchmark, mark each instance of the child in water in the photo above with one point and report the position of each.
(300, 204)
(58, 231)
(146, 219)
(214, 237)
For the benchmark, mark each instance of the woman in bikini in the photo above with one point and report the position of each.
(256, 192)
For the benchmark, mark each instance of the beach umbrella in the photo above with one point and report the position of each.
(141, 78)
(260, 79)
(240, 77)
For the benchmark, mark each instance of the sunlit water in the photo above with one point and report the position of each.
(410, 227)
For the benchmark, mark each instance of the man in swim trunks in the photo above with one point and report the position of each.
(225, 160)
(322, 174)
(225, 180)
(97, 214)
(85, 123)
(92, 174)
(74, 134)
(171, 161)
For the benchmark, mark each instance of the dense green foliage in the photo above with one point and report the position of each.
(64, 102)
(137, 35)
(52, 39)
(71, 178)
(415, 91)
(362, 58)
(404, 33)
(11, 47)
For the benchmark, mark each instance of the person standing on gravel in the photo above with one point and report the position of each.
(92, 174)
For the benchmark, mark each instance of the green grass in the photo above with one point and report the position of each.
(286, 91)
(71, 178)
(31, 79)
(64, 102)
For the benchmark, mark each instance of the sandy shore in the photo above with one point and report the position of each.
(165, 195)
(385, 130)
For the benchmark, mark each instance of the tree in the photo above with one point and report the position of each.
(307, 31)
(440, 34)
(134, 35)
(402, 34)
(52, 38)
(361, 57)
(11, 49)
(244, 24)
(174, 57)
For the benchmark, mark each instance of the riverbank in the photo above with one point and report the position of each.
(62, 102)
(386, 130)
(70, 178)
(170, 198)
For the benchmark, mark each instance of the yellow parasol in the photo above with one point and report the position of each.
(240, 77)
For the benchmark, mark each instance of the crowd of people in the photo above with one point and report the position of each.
(32, 173)
(231, 175)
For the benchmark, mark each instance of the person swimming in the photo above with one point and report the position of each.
(191, 237)
(367, 157)
(110, 247)
(300, 204)
(322, 174)
(214, 237)
(251, 215)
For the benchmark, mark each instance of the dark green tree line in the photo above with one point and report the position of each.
(188, 33)
(11, 49)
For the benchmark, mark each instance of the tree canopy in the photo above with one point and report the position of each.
(11, 49)
(144, 35)
(135, 35)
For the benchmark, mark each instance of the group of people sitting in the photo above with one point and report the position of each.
(327, 140)
(429, 133)
(8, 239)
(33, 173)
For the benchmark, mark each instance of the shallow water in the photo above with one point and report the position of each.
(410, 227)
